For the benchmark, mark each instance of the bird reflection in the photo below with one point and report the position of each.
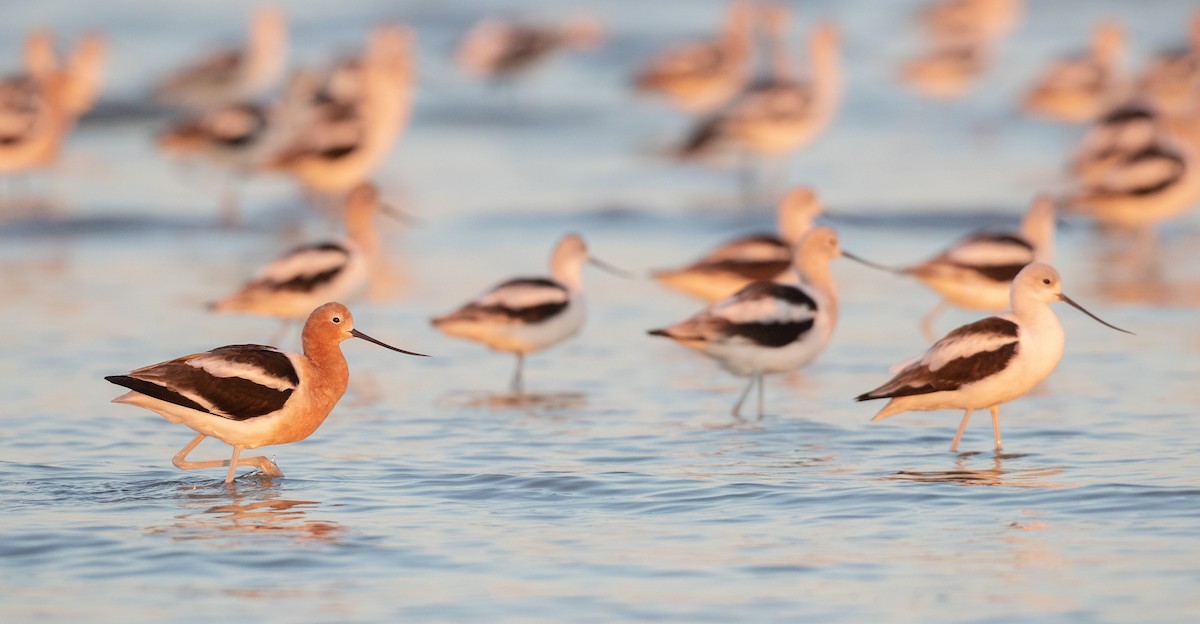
(994, 476)
(530, 401)
(231, 512)
(1137, 267)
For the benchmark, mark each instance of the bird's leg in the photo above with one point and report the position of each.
(747, 181)
(996, 426)
(518, 381)
(233, 464)
(262, 463)
(962, 426)
(927, 320)
(230, 203)
(737, 407)
(759, 379)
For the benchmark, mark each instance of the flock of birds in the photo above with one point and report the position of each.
(772, 301)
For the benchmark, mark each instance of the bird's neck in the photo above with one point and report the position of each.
(329, 364)
(569, 273)
(815, 274)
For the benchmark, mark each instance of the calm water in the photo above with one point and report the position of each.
(620, 490)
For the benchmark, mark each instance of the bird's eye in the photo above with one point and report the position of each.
(1046, 281)
(338, 320)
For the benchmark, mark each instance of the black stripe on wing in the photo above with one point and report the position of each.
(501, 312)
(998, 272)
(917, 378)
(311, 281)
(269, 360)
(774, 334)
(151, 389)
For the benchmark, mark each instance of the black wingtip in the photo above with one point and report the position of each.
(658, 332)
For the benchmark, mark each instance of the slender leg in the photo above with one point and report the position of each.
(262, 463)
(518, 380)
(758, 377)
(737, 407)
(233, 463)
(996, 426)
(927, 320)
(230, 203)
(962, 426)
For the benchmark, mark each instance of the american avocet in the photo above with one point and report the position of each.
(528, 314)
(233, 75)
(776, 116)
(947, 71)
(342, 143)
(1122, 131)
(249, 396)
(988, 362)
(981, 21)
(1172, 79)
(701, 75)
(500, 48)
(764, 257)
(1141, 188)
(770, 327)
(1082, 87)
(39, 108)
(976, 272)
(336, 269)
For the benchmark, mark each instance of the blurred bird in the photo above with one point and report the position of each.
(528, 314)
(233, 75)
(341, 142)
(1142, 188)
(338, 269)
(496, 48)
(976, 271)
(947, 71)
(1082, 87)
(249, 396)
(778, 115)
(1125, 130)
(975, 21)
(1171, 81)
(701, 75)
(770, 327)
(988, 362)
(763, 257)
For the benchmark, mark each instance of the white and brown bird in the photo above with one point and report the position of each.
(989, 362)
(700, 75)
(1171, 80)
(499, 48)
(1082, 87)
(770, 327)
(233, 74)
(528, 314)
(249, 396)
(976, 271)
(287, 287)
(761, 257)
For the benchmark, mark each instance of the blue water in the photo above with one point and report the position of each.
(620, 490)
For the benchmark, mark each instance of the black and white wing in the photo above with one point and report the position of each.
(521, 300)
(304, 269)
(966, 355)
(765, 314)
(237, 382)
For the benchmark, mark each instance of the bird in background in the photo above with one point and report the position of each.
(989, 362)
(527, 314)
(501, 49)
(1082, 87)
(770, 327)
(233, 75)
(779, 114)
(338, 269)
(340, 143)
(977, 270)
(698, 76)
(761, 257)
(250, 396)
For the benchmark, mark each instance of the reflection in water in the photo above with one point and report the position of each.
(1136, 267)
(530, 401)
(243, 509)
(996, 475)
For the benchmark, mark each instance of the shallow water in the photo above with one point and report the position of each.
(620, 489)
